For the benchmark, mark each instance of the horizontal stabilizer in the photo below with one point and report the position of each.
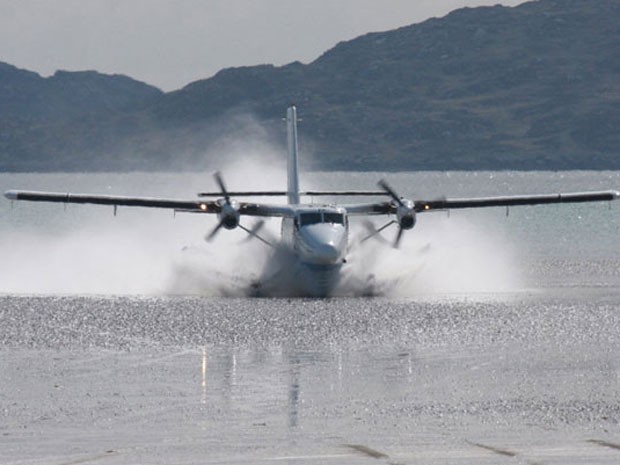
(305, 193)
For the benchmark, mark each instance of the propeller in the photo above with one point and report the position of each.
(405, 212)
(229, 214)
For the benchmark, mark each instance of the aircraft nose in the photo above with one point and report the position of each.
(326, 253)
(322, 244)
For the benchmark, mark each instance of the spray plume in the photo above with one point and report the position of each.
(51, 251)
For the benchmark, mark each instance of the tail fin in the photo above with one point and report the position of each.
(293, 176)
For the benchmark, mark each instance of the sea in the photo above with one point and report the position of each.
(490, 336)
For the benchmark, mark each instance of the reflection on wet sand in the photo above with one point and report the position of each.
(440, 403)
(427, 382)
(293, 393)
(203, 380)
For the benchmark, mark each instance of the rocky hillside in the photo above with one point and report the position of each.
(531, 87)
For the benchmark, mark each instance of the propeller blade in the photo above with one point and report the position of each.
(257, 226)
(386, 187)
(213, 233)
(374, 232)
(253, 232)
(220, 182)
(398, 237)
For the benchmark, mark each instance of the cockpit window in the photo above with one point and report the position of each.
(309, 218)
(336, 218)
(306, 219)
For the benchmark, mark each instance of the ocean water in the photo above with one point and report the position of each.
(127, 339)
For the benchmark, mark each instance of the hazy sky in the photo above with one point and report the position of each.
(169, 43)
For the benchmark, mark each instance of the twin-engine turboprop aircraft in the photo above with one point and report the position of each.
(315, 238)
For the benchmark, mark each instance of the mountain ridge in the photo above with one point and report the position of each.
(534, 86)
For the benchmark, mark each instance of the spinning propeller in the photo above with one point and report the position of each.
(229, 209)
(229, 214)
(405, 214)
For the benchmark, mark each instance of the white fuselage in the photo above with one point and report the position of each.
(318, 240)
(315, 238)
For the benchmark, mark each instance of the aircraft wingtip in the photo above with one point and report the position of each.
(11, 195)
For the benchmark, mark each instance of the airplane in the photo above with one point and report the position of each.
(314, 238)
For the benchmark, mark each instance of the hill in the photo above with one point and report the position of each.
(531, 87)
(50, 123)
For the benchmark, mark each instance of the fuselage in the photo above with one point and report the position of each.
(318, 240)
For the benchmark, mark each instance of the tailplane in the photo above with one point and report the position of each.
(293, 175)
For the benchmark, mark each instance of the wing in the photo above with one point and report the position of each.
(149, 202)
(382, 208)
(515, 200)
(189, 206)
(377, 208)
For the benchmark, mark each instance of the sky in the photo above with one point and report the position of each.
(170, 43)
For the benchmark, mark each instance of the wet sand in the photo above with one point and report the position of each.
(530, 377)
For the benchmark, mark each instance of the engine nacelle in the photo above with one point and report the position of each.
(229, 215)
(406, 214)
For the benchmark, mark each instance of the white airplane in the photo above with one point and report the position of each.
(314, 238)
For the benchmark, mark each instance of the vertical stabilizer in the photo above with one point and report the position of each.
(293, 176)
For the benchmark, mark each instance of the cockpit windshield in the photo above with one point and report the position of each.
(336, 218)
(310, 218)
(306, 219)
